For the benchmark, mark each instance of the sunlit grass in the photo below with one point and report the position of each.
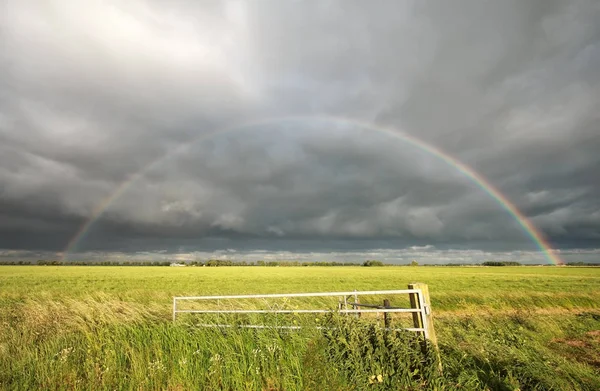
(110, 328)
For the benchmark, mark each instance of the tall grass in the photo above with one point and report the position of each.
(117, 333)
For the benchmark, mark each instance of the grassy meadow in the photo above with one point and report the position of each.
(499, 328)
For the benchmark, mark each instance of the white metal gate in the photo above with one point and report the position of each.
(419, 307)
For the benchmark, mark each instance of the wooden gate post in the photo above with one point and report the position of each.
(386, 315)
(418, 320)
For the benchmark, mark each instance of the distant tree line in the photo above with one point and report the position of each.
(101, 263)
(228, 262)
(502, 263)
(372, 262)
(210, 263)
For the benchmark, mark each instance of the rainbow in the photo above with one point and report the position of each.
(468, 172)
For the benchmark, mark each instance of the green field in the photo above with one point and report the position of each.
(503, 328)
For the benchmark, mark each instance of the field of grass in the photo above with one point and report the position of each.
(500, 328)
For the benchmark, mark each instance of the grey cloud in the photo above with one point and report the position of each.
(91, 94)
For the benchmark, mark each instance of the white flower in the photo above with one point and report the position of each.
(156, 366)
(64, 354)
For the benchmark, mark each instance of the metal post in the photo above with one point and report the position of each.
(174, 308)
(356, 301)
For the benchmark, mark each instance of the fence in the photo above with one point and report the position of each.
(349, 304)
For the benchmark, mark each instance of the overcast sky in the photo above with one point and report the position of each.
(94, 93)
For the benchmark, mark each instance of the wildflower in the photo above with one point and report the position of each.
(272, 348)
(156, 366)
(64, 354)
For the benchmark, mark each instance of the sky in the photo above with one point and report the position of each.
(253, 130)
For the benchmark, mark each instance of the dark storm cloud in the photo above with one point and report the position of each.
(91, 94)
